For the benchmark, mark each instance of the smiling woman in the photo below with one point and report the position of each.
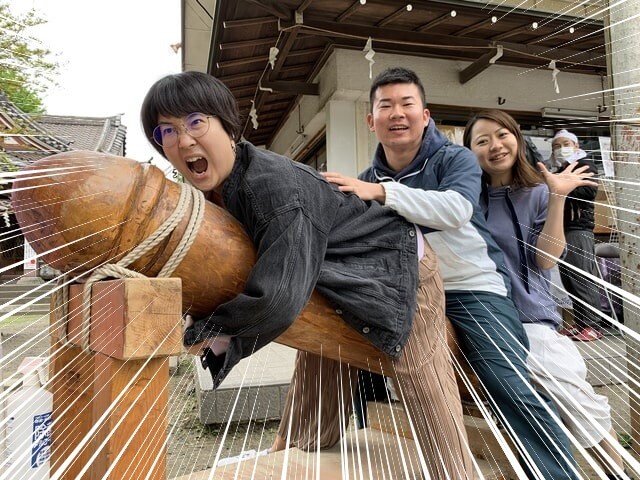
(524, 211)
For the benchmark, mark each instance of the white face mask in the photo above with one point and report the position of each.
(563, 154)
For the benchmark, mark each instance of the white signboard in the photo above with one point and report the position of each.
(605, 151)
(30, 262)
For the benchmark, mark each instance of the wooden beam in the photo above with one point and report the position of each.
(472, 28)
(390, 18)
(138, 317)
(135, 325)
(294, 88)
(285, 51)
(436, 21)
(394, 37)
(304, 5)
(248, 75)
(349, 11)
(248, 43)
(513, 33)
(238, 62)
(273, 8)
(477, 67)
(248, 22)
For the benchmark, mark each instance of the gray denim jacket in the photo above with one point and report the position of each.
(360, 255)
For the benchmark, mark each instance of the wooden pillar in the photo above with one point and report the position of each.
(110, 404)
(623, 58)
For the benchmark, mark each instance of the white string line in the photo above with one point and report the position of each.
(88, 359)
(116, 402)
(367, 459)
(577, 406)
(319, 423)
(488, 417)
(515, 463)
(50, 381)
(178, 416)
(565, 59)
(361, 399)
(51, 171)
(399, 387)
(233, 409)
(383, 452)
(245, 383)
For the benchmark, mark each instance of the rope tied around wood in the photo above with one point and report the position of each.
(189, 197)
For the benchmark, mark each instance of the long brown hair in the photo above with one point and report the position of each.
(523, 173)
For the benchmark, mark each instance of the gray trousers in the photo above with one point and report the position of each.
(581, 254)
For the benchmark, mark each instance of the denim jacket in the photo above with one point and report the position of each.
(360, 255)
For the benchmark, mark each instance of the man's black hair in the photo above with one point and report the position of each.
(395, 75)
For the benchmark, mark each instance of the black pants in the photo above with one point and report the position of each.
(371, 387)
(580, 254)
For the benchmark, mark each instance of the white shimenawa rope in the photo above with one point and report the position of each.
(188, 196)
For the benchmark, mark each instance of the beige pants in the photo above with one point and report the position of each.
(322, 389)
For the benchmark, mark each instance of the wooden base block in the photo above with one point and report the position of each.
(483, 444)
(369, 454)
(88, 438)
(132, 318)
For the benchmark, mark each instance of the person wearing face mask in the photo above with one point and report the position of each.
(578, 230)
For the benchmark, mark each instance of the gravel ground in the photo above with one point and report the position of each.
(192, 447)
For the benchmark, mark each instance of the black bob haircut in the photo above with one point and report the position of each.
(181, 94)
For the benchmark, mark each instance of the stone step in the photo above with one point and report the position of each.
(25, 296)
(263, 380)
(392, 419)
(365, 453)
(33, 309)
(266, 374)
(27, 292)
(606, 360)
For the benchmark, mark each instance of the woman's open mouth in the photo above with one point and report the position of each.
(197, 165)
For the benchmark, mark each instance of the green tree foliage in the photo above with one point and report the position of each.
(26, 67)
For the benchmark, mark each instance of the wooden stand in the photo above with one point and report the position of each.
(110, 405)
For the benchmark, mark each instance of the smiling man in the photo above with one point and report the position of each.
(436, 184)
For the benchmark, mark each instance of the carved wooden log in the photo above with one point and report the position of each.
(85, 208)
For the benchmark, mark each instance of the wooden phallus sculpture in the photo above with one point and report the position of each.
(81, 209)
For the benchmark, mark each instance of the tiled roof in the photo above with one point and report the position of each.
(43, 135)
(49, 134)
(101, 134)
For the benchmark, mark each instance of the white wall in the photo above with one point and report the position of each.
(528, 90)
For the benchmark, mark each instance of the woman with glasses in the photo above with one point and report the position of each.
(368, 262)
(524, 209)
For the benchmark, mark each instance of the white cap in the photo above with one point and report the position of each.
(565, 134)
